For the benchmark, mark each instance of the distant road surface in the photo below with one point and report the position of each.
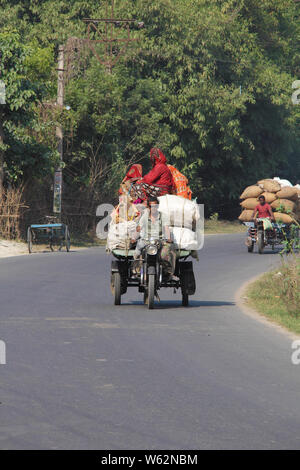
(84, 374)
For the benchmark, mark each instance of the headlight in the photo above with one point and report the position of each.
(152, 250)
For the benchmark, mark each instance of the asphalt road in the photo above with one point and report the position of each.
(84, 374)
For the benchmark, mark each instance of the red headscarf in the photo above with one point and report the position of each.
(156, 156)
(136, 171)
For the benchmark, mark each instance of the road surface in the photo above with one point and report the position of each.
(84, 374)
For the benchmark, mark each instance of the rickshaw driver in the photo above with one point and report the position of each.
(151, 226)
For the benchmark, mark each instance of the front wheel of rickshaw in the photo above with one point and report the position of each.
(260, 242)
(29, 240)
(145, 297)
(116, 288)
(151, 291)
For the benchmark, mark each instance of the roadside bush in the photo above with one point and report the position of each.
(11, 206)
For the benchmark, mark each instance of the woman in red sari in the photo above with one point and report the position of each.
(134, 174)
(158, 181)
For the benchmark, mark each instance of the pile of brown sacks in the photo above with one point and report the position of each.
(285, 201)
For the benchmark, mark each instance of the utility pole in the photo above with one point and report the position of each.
(1, 153)
(59, 135)
(114, 48)
(2, 102)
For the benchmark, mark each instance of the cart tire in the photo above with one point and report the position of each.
(251, 248)
(67, 239)
(260, 242)
(29, 240)
(185, 299)
(184, 289)
(151, 291)
(117, 288)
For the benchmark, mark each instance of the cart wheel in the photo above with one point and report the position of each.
(185, 296)
(116, 288)
(67, 239)
(145, 297)
(185, 299)
(251, 247)
(29, 240)
(51, 246)
(184, 284)
(260, 242)
(151, 291)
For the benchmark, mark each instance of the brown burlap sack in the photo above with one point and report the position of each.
(249, 203)
(251, 191)
(297, 211)
(286, 205)
(246, 216)
(271, 186)
(284, 218)
(269, 197)
(288, 193)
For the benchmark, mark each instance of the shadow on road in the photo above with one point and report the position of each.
(168, 304)
(48, 251)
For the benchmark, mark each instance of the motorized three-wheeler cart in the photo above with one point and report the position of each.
(151, 277)
(281, 233)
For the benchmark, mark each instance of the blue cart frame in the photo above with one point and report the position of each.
(49, 233)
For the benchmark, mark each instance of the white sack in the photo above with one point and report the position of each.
(183, 238)
(178, 211)
(119, 235)
(283, 183)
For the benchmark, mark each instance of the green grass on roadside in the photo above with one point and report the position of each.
(276, 295)
(223, 226)
(86, 241)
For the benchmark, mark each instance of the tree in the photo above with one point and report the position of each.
(22, 69)
(208, 81)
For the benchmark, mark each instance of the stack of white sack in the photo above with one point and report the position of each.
(183, 217)
(120, 235)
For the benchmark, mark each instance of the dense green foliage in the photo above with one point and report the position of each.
(208, 81)
(25, 86)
